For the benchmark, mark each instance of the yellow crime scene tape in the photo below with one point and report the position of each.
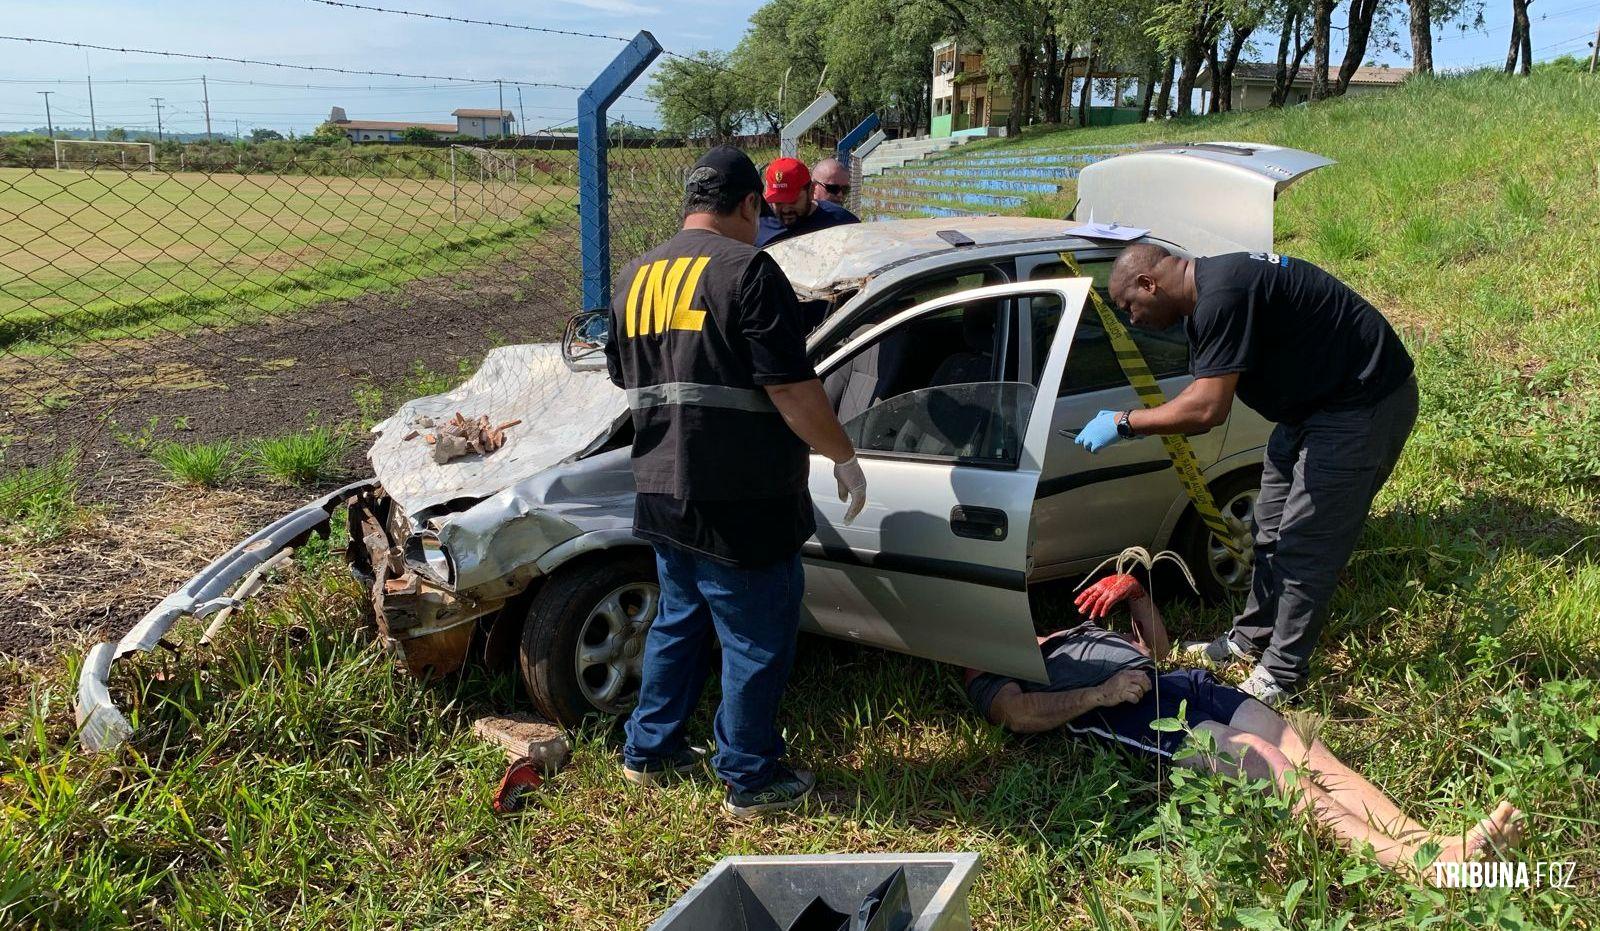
(1137, 371)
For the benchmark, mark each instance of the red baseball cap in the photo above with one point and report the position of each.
(786, 178)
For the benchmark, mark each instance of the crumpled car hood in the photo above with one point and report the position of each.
(562, 412)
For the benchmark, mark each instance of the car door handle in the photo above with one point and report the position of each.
(978, 523)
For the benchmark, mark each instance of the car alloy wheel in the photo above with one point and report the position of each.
(610, 650)
(1228, 570)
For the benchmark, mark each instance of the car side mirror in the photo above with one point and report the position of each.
(584, 341)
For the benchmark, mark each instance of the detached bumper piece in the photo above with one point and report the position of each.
(223, 585)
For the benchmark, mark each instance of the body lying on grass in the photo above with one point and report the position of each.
(1105, 686)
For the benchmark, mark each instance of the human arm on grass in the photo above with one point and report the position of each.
(1035, 712)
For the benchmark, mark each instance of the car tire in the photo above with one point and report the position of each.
(1217, 574)
(583, 640)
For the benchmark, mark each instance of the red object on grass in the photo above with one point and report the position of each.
(522, 777)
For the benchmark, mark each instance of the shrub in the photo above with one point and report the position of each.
(309, 458)
(37, 502)
(205, 464)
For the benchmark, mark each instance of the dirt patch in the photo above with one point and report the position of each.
(143, 536)
(117, 562)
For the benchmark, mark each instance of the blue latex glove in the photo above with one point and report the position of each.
(1100, 432)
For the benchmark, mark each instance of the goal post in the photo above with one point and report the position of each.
(92, 153)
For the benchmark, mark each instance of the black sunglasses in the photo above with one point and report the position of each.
(835, 189)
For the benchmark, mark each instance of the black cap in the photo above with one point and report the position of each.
(723, 169)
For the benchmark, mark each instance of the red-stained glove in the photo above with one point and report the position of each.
(1097, 600)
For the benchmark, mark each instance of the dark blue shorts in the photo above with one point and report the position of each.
(1128, 724)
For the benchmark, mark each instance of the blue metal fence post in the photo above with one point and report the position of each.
(594, 189)
(854, 138)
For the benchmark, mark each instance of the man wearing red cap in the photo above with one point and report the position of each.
(794, 211)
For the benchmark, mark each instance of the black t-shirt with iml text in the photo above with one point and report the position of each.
(1300, 339)
(700, 325)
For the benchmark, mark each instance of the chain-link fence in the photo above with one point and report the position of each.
(241, 291)
(134, 288)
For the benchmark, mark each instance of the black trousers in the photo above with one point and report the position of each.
(1318, 482)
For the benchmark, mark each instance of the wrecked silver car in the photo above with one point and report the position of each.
(961, 361)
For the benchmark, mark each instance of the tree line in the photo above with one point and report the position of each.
(876, 55)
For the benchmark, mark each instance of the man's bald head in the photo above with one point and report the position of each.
(830, 171)
(1151, 284)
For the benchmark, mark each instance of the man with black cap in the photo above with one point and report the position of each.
(707, 340)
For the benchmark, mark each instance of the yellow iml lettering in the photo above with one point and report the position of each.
(660, 295)
(685, 317)
(630, 321)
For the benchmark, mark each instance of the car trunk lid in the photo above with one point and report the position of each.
(1208, 197)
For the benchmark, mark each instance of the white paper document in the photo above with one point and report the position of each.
(1107, 231)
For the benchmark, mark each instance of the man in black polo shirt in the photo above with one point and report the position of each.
(708, 342)
(1304, 350)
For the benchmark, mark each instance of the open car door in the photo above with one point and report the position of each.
(1208, 197)
(952, 442)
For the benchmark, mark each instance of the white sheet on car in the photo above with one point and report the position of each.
(840, 257)
(561, 412)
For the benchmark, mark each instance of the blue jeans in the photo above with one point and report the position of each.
(755, 614)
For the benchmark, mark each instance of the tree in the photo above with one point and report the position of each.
(1321, 27)
(1188, 29)
(119, 134)
(1521, 40)
(1358, 31)
(266, 135)
(418, 134)
(1293, 44)
(698, 96)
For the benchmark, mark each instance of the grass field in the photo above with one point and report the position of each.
(291, 778)
(88, 254)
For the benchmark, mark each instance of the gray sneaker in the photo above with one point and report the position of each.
(786, 790)
(1263, 688)
(1218, 652)
(660, 772)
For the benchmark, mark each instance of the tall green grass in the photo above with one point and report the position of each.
(292, 778)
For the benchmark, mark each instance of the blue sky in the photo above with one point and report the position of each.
(303, 32)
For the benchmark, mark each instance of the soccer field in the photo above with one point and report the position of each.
(89, 253)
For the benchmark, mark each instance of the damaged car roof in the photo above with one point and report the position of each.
(838, 258)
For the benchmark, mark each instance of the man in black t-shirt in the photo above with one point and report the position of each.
(707, 340)
(1303, 349)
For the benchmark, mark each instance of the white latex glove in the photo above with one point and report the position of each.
(852, 487)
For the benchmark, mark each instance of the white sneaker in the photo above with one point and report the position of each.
(1263, 688)
(1218, 652)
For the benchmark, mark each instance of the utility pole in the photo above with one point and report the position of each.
(52, 123)
(1594, 50)
(522, 114)
(500, 87)
(94, 129)
(159, 136)
(205, 92)
(236, 128)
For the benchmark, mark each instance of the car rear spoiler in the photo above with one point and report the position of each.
(1207, 197)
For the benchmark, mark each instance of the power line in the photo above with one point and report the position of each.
(472, 22)
(527, 28)
(274, 64)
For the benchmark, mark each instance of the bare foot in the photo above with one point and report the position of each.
(1503, 830)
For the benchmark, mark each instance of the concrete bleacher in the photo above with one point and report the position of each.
(960, 183)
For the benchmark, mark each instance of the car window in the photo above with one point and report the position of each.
(939, 386)
(919, 291)
(1092, 366)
